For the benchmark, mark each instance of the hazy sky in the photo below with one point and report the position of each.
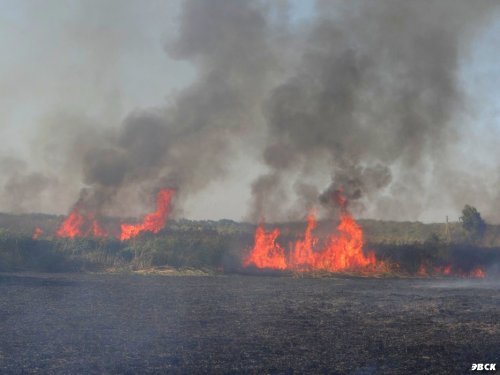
(102, 59)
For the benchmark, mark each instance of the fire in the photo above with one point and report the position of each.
(477, 273)
(152, 222)
(266, 253)
(445, 270)
(80, 224)
(448, 270)
(302, 257)
(97, 230)
(72, 226)
(37, 233)
(83, 223)
(343, 251)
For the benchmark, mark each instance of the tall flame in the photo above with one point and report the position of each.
(152, 222)
(302, 257)
(72, 226)
(83, 223)
(343, 250)
(80, 224)
(266, 253)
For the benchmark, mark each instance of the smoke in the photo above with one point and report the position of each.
(375, 95)
(364, 97)
(21, 184)
(187, 144)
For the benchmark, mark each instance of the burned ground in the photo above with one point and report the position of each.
(245, 324)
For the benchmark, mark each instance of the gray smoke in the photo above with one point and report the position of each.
(374, 97)
(187, 145)
(364, 97)
(183, 146)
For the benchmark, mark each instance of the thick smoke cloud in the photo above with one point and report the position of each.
(363, 97)
(186, 145)
(375, 95)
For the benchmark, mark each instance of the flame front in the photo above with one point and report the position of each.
(96, 229)
(83, 223)
(302, 257)
(449, 270)
(80, 224)
(343, 250)
(72, 226)
(266, 253)
(152, 222)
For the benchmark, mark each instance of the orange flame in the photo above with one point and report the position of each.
(37, 233)
(78, 224)
(343, 250)
(72, 226)
(449, 270)
(82, 223)
(266, 253)
(97, 230)
(152, 222)
(302, 256)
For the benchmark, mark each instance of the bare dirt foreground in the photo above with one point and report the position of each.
(245, 324)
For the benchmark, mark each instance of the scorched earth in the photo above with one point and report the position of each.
(245, 324)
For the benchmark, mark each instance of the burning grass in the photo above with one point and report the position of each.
(82, 222)
(82, 242)
(342, 251)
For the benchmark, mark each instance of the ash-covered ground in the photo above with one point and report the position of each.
(245, 324)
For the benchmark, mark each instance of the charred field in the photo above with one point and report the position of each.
(83, 323)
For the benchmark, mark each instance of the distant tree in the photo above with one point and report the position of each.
(472, 222)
